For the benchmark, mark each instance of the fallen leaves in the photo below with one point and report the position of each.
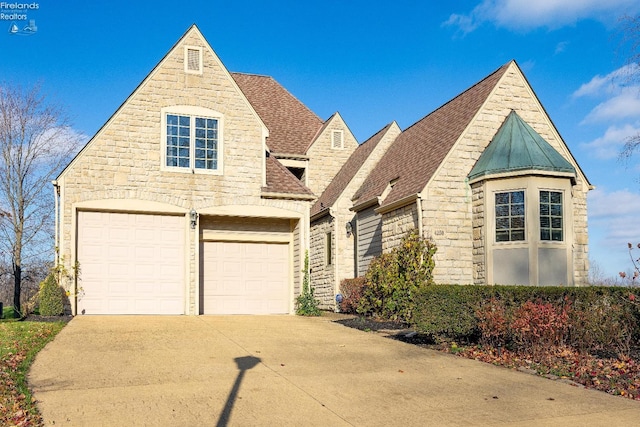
(20, 343)
(618, 376)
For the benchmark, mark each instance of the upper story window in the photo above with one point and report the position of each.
(192, 142)
(337, 139)
(510, 216)
(551, 216)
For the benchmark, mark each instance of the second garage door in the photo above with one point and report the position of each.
(244, 278)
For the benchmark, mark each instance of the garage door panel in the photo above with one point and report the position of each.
(238, 278)
(128, 266)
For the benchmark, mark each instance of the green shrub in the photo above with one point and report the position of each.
(588, 319)
(393, 279)
(306, 303)
(51, 297)
(351, 290)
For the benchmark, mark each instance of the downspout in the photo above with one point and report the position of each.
(56, 225)
(419, 206)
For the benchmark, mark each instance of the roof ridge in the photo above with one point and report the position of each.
(461, 94)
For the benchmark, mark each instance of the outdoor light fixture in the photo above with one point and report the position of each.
(193, 216)
(349, 227)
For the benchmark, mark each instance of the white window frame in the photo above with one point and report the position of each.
(192, 112)
(186, 60)
(333, 134)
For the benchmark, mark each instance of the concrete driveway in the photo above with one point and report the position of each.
(286, 370)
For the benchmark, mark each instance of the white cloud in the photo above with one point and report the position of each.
(613, 217)
(609, 145)
(561, 47)
(624, 105)
(611, 83)
(523, 15)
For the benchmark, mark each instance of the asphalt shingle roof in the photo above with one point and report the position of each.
(292, 126)
(347, 172)
(416, 154)
(280, 180)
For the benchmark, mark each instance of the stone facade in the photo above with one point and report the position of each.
(322, 276)
(396, 224)
(121, 167)
(324, 160)
(479, 258)
(448, 200)
(344, 265)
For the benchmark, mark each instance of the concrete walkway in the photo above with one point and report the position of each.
(287, 371)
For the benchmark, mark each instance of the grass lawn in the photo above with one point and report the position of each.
(19, 344)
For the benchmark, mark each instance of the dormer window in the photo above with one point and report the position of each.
(193, 60)
(337, 139)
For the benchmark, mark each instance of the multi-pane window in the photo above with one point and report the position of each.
(192, 141)
(551, 216)
(510, 216)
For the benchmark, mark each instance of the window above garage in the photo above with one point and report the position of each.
(192, 140)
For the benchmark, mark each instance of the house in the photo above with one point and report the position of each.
(194, 196)
(204, 191)
(489, 180)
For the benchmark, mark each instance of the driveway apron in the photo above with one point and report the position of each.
(287, 371)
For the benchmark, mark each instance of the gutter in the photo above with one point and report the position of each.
(366, 204)
(398, 203)
(289, 196)
(320, 214)
(56, 226)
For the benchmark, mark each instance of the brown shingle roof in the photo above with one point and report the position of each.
(292, 126)
(415, 155)
(347, 172)
(280, 180)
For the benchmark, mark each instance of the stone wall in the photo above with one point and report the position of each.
(124, 160)
(325, 161)
(396, 224)
(322, 275)
(447, 199)
(479, 234)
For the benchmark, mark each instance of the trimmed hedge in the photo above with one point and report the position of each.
(604, 318)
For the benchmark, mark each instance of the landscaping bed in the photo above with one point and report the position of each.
(614, 374)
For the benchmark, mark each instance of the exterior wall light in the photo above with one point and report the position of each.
(349, 228)
(193, 216)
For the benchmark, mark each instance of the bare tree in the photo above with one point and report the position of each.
(631, 45)
(36, 141)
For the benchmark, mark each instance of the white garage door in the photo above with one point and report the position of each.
(244, 278)
(130, 263)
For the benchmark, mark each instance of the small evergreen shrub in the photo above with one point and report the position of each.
(306, 303)
(351, 290)
(51, 297)
(393, 279)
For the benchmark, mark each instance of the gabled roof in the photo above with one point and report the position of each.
(292, 126)
(416, 154)
(517, 147)
(347, 172)
(281, 181)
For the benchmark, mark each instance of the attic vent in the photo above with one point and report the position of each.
(337, 139)
(193, 60)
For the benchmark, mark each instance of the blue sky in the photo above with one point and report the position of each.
(372, 61)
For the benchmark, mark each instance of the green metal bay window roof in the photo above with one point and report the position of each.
(518, 148)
